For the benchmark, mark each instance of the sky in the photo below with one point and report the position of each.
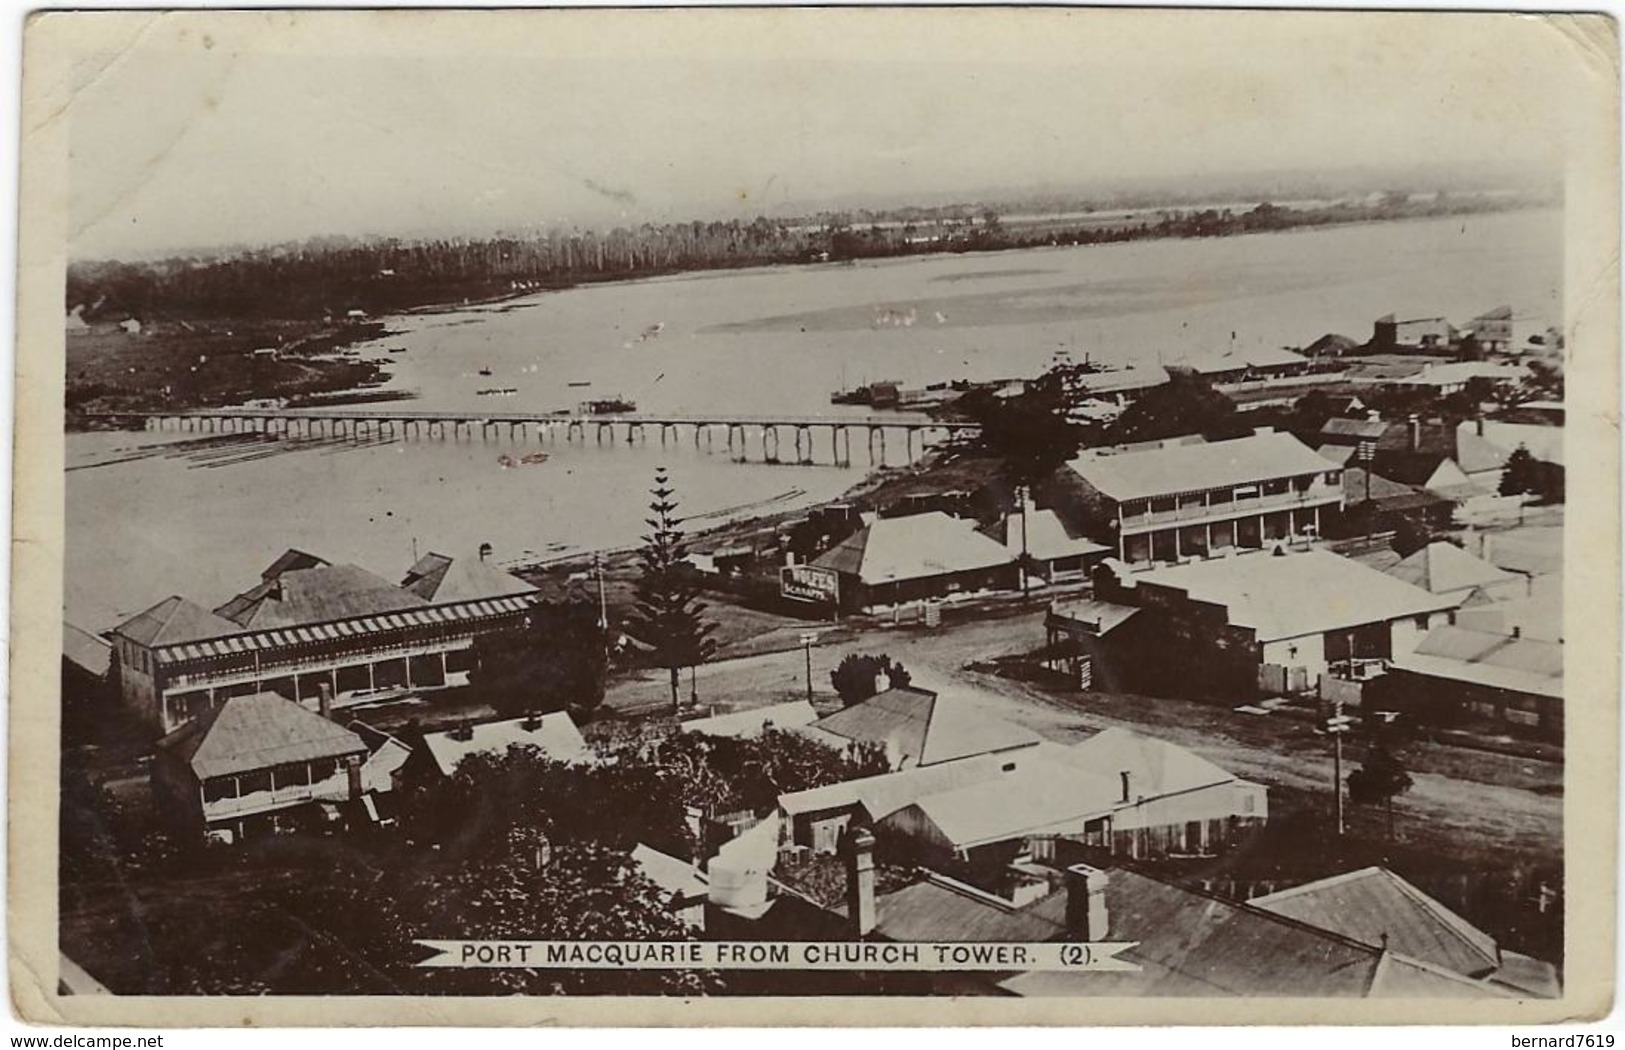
(199, 129)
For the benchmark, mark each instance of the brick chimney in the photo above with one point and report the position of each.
(1086, 917)
(325, 699)
(352, 772)
(860, 882)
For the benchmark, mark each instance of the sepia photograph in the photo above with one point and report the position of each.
(962, 513)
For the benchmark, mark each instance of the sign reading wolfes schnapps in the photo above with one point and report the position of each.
(779, 955)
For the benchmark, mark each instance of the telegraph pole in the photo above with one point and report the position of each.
(807, 640)
(1336, 726)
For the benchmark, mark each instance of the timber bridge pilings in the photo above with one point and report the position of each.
(569, 427)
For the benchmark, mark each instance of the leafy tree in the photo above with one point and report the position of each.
(1521, 475)
(854, 677)
(1030, 434)
(667, 617)
(556, 659)
(1186, 404)
(1378, 780)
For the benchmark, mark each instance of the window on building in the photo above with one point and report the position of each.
(219, 788)
(259, 780)
(1421, 623)
(1275, 487)
(1247, 492)
(1302, 484)
(1334, 477)
(1162, 504)
(295, 775)
(1221, 496)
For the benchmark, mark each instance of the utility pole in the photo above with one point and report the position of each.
(1336, 726)
(807, 640)
(603, 603)
(1366, 453)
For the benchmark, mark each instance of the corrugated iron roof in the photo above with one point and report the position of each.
(251, 641)
(1191, 468)
(941, 909)
(173, 621)
(1444, 568)
(248, 733)
(754, 721)
(555, 735)
(317, 595)
(440, 578)
(1381, 910)
(1297, 594)
(914, 547)
(925, 728)
(1525, 665)
(85, 650)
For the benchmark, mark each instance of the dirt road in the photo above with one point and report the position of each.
(1470, 801)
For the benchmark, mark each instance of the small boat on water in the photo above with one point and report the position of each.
(581, 382)
(397, 349)
(607, 406)
(485, 371)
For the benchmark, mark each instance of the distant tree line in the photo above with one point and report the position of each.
(333, 275)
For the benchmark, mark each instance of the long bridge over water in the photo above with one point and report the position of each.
(430, 424)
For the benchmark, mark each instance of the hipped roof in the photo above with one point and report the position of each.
(248, 733)
(918, 546)
(1190, 468)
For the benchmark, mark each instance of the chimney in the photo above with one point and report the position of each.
(1478, 425)
(1517, 631)
(1416, 433)
(1128, 781)
(860, 882)
(325, 701)
(352, 772)
(1086, 917)
(485, 551)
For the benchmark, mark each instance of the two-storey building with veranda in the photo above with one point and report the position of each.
(308, 627)
(1177, 501)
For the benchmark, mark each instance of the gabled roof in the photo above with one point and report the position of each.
(924, 728)
(1195, 945)
(440, 578)
(914, 547)
(886, 793)
(1444, 568)
(173, 621)
(1381, 910)
(1036, 798)
(1187, 468)
(1361, 429)
(942, 909)
(85, 650)
(1360, 487)
(1048, 536)
(1478, 455)
(248, 733)
(1419, 468)
(1233, 360)
(290, 559)
(1297, 594)
(754, 721)
(1501, 661)
(316, 595)
(1105, 616)
(676, 878)
(555, 735)
(1156, 768)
